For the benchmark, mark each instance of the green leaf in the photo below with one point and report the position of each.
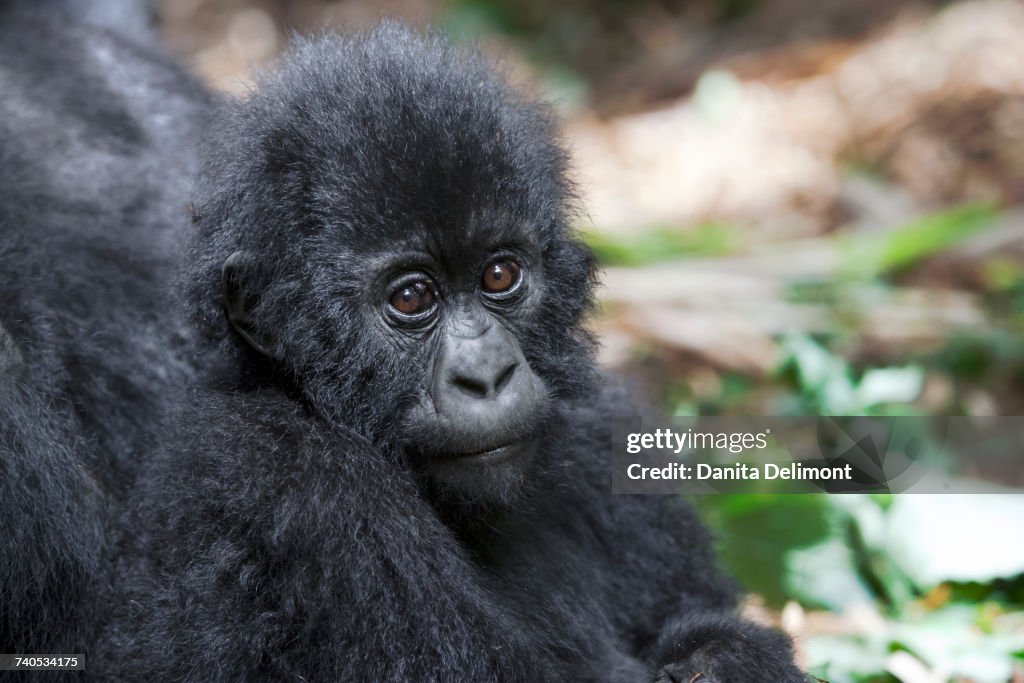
(948, 640)
(758, 531)
(867, 257)
(824, 575)
(937, 538)
(717, 94)
(661, 244)
(889, 385)
(846, 659)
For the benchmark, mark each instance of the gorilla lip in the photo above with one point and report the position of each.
(492, 455)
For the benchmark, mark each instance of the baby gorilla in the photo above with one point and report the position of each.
(397, 466)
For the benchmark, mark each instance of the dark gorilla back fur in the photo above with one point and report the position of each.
(284, 533)
(95, 161)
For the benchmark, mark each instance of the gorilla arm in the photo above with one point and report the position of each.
(695, 628)
(288, 549)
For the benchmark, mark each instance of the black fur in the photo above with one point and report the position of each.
(286, 531)
(95, 159)
(133, 20)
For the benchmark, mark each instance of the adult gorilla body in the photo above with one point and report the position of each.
(94, 163)
(397, 470)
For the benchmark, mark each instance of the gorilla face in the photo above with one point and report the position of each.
(443, 327)
(478, 411)
(397, 243)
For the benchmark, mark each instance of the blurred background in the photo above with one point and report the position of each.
(802, 207)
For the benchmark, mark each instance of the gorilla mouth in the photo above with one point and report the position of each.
(491, 455)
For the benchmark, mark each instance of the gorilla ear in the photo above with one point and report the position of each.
(238, 302)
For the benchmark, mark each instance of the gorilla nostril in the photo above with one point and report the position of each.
(505, 378)
(468, 385)
(479, 388)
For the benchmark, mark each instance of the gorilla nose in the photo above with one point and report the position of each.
(484, 379)
(484, 388)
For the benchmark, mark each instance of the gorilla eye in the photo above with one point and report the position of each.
(414, 298)
(501, 276)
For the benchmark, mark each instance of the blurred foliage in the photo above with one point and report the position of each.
(936, 576)
(937, 579)
(941, 577)
(662, 244)
(904, 246)
(582, 33)
(828, 386)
